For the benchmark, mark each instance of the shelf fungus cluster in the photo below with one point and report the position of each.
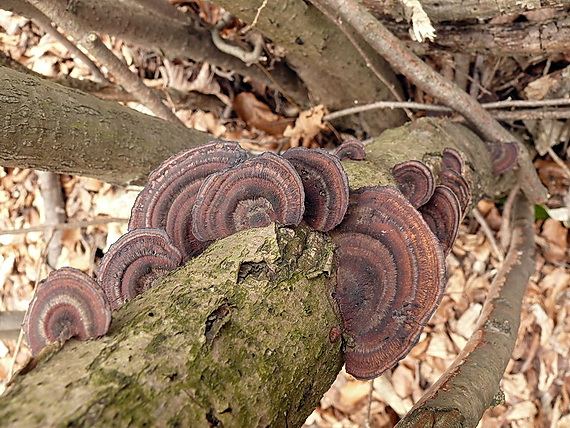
(391, 244)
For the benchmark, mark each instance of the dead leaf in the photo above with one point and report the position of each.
(307, 126)
(258, 115)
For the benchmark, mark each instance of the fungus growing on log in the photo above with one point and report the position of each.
(452, 160)
(351, 149)
(256, 193)
(134, 262)
(451, 178)
(326, 186)
(167, 200)
(415, 180)
(68, 303)
(390, 278)
(443, 215)
(504, 156)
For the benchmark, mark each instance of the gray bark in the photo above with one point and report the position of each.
(46, 126)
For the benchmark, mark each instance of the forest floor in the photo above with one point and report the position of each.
(536, 383)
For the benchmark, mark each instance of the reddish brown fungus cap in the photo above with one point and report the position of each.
(134, 262)
(452, 159)
(67, 304)
(443, 215)
(255, 193)
(351, 149)
(326, 186)
(390, 278)
(415, 180)
(450, 178)
(504, 156)
(167, 200)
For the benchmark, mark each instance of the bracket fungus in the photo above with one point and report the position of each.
(504, 156)
(451, 178)
(390, 278)
(452, 159)
(68, 303)
(134, 262)
(326, 186)
(351, 149)
(415, 180)
(256, 193)
(443, 215)
(167, 200)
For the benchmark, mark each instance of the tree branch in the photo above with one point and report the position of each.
(218, 341)
(46, 126)
(471, 384)
(405, 62)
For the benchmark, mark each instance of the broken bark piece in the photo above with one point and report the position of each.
(415, 180)
(351, 149)
(167, 200)
(134, 262)
(451, 178)
(443, 215)
(67, 304)
(255, 193)
(326, 186)
(390, 278)
(504, 156)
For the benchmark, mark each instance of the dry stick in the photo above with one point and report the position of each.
(431, 82)
(359, 49)
(128, 79)
(54, 208)
(471, 384)
(21, 335)
(42, 21)
(499, 254)
(505, 230)
(437, 107)
(99, 51)
(532, 114)
(65, 226)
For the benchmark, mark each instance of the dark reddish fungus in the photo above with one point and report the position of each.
(450, 178)
(452, 160)
(504, 156)
(67, 304)
(443, 215)
(351, 149)
(415, 180)
(167, 200)
(255, 193)
(326, 186)
(390, 278)
(134, 262)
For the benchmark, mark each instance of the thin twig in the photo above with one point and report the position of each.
(65, 226)
(90, 41)
(505, 229)
(25, 9)
(431, 82)
(369, 406)
(559, 162)
(363, 54)
(254, 22)
(436, 107)
(21, 335)
(499, 253)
